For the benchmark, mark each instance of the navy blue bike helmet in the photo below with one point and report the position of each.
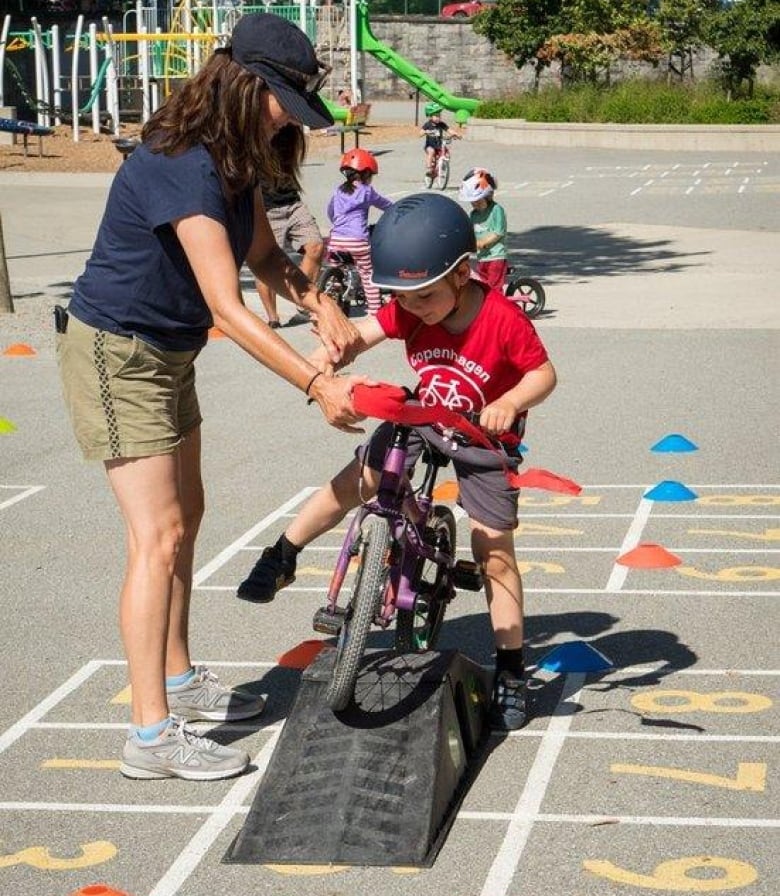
(419, 240)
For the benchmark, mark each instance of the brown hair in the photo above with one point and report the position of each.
(220, 108)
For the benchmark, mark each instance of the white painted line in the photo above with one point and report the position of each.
(637, 735)
(199, 845)
(655, 820)
(504, 866)
(634, 192)
(232, 549)
(619, 574)
(28, 491)
(47, 704)
(200, 726)
(114, 808)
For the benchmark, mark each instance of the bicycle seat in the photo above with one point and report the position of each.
(431, 454)
(341, 257)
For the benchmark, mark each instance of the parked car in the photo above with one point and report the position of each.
(464, 10)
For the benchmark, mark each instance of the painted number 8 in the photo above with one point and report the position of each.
(693, 701)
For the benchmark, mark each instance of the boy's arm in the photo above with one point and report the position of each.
(533, 388)
(369, 335)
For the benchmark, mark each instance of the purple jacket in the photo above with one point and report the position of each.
(348, 212)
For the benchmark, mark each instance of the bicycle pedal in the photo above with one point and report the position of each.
(328, 621)
(467, 576)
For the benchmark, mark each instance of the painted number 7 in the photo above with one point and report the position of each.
(750, 775)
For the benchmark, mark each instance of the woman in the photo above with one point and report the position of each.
(183, 214)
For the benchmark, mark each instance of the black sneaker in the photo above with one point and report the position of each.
(269, 575)
(507, 711)
(300, 317)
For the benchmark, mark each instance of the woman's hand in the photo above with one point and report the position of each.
(338, 335)
(334, 396)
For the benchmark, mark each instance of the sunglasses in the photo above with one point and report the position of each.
(310, 83)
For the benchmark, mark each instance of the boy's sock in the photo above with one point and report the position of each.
(287, 551)
(510, 661)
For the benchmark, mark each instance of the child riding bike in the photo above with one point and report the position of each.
(462, 335)
(434, 130)
(348, 210)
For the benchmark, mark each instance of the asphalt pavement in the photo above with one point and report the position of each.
(661, 272)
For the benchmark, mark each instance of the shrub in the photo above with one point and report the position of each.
(638, 102)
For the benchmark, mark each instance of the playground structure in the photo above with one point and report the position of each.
(122, 73)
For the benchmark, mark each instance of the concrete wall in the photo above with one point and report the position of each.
(461, 61)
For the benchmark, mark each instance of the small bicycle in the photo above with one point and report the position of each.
(527, 292)
(439, 175)
(339, 278)
(407, 571)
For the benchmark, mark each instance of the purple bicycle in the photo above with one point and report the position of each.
(407, 571)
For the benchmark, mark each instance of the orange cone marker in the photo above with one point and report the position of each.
(20, 349)
(649, 556)
(302, 655)
(215, 333)
(98, 890)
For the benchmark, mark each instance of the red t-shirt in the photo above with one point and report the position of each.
(466, 371)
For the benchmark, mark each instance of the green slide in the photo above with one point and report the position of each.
(404, 69)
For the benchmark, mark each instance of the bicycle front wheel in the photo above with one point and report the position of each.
(418, 628)
(365, 604)
(442, 174)
(528, 293)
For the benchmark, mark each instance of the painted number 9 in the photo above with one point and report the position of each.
(686, 875)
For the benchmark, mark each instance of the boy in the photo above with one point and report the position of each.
(471, 349)
(434, 130)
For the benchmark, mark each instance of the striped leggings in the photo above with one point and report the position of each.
(360, 251)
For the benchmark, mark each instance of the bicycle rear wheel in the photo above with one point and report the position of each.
(442, 174)
(528, 293)
(364, 606)
(333, 281)
(418, 628)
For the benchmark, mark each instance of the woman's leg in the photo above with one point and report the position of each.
(191, 502)
(147, 490)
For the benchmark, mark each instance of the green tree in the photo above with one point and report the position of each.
(744, 35)
(520, 28)
(682, 25)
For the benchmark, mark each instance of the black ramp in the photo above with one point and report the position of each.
(379, 783)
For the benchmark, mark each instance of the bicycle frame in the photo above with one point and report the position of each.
(407, 514)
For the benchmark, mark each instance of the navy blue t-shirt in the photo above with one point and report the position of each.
(138, 280)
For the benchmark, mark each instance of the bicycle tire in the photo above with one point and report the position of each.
(418, 628)
(442, 174)
(533, 292)
(364, 605)
(333, 281)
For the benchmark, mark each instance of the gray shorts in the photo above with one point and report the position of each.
(483, 492)
(293, 226)
(125, 397)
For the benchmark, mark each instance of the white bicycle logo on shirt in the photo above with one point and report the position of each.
(444, 393)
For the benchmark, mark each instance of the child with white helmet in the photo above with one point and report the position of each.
(489, 221)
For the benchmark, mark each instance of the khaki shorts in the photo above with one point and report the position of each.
(126, 398)
(293, 226)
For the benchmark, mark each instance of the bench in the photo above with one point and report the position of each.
(26, 129)
(357, 118)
